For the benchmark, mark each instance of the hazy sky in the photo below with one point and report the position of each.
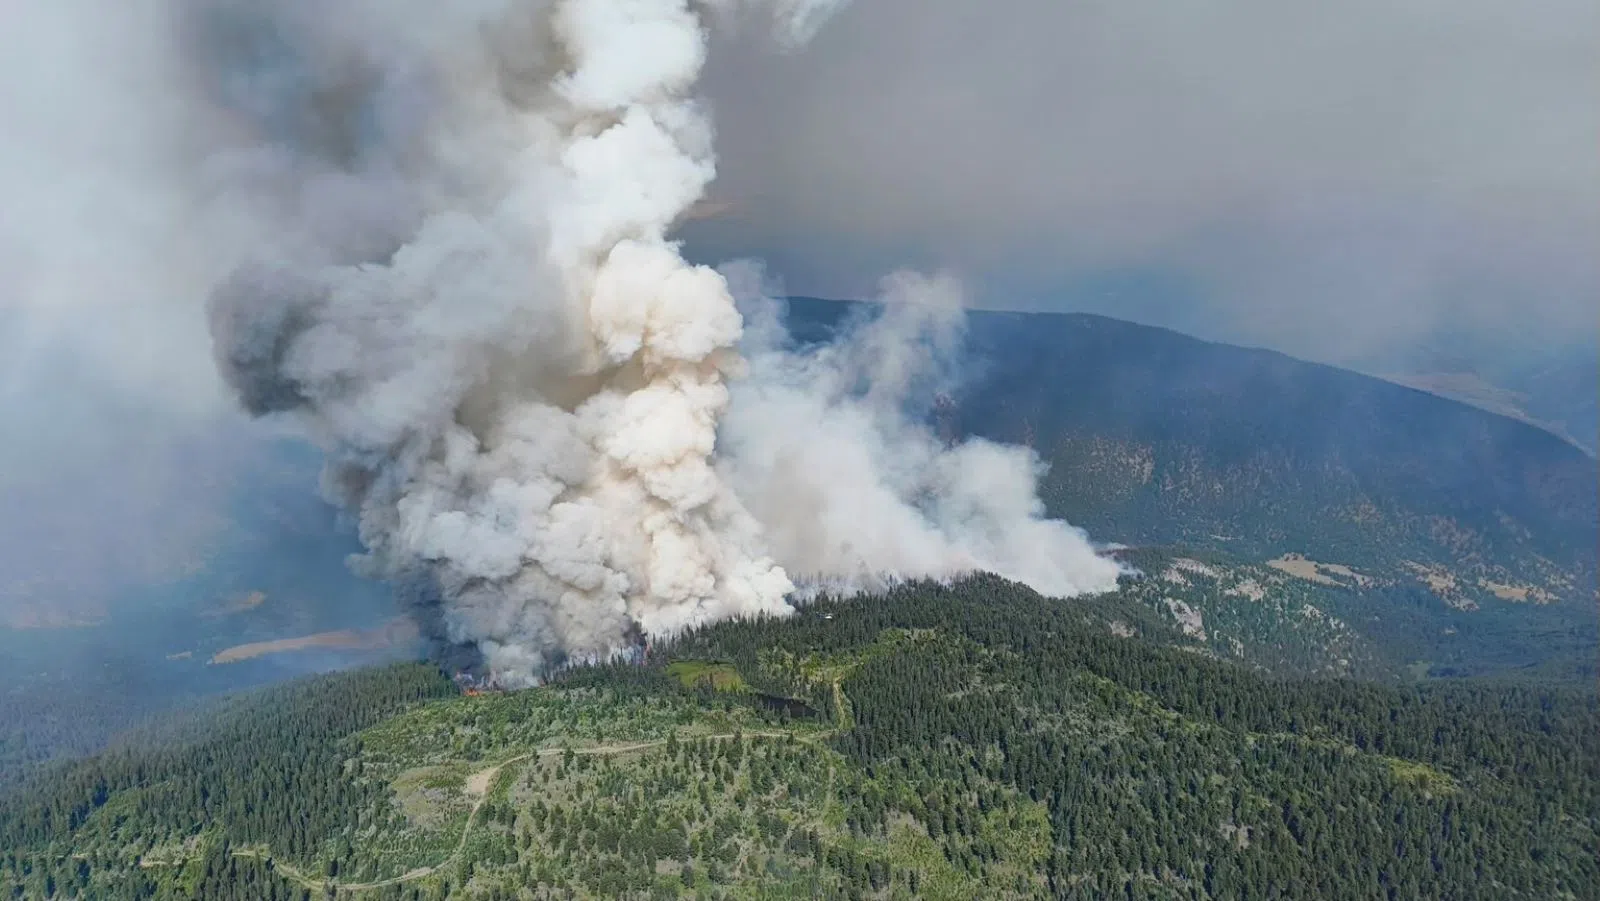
(1338, 180)
(1334, 179)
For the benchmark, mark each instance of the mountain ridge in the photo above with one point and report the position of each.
(1154, 440)
(1156, 437)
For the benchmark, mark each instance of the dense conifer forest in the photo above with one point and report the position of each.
(973, 740)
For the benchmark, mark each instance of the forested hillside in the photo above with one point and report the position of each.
(945, 742)
(1410, 535)
(1266, 707)
(1154, 437)
(1295, 618)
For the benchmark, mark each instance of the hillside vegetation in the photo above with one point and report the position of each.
(1157, 438)
(944, 742)
(1346, 525)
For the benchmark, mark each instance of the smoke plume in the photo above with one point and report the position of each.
(829, 447)
(518, 380)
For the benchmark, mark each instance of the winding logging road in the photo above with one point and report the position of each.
(485, 778)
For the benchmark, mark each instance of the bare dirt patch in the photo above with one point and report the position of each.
(396, 631)
(1301, 568)
(1190, 620)
(1439, 580)
(1337, 574)
(237, 604)
(478, 783)
(1443, 583)
(1516, 594)
(1249, 589)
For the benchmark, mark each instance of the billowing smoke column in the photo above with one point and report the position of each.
(519, 381)
(827, 448)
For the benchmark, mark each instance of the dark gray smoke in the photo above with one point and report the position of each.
(252, 342)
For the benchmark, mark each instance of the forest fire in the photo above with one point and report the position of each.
(635, 651)
(473, 685)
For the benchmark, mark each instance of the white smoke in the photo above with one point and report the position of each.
(520, 382)
(853, 489)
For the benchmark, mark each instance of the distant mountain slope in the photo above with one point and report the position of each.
(1154, 437)
(1564, 390)
(1472, 389)
(270, 567)
(1553, 387)
(1563, 409)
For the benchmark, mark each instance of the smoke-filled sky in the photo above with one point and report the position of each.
(1328, 178)
(1335, 180)
(436, 241)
